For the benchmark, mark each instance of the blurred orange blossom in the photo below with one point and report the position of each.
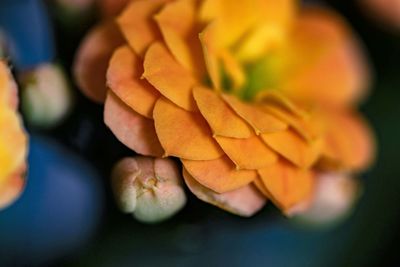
(13, 141)
(256, 98)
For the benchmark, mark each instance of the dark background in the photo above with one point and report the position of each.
(203, 235)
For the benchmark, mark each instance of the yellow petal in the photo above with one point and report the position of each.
(12, 187)
(137, 24)
(219, 175)
(13, 142)
(179, 27)
(221, 118)
(123, 78)
(92, 59)
(245, 201)
(131, 128)
(169, 77)
(274, 23)
(184, 134)
(250, 153)
(289, 145)
(287, 184)
(261, 121)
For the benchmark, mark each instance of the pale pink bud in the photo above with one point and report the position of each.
(334, 197)
(149, 188)
(46, 96)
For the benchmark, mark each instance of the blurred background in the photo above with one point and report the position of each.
(67, 216)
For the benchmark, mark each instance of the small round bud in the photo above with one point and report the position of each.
(46, 96)
(334, 197)
(148, 188)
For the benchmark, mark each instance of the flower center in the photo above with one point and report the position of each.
(266, 73)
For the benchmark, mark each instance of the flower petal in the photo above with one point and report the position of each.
(335, 72)
(92, 59)
(349, 140)
(250, 153)
(219, 175)
(309, 128)
(261, 187)
(13, 142)
(261, 121)
(12, 187)
(293, 148)
(221, 118)
(245, 201)
(123, 78)
(131, 129)
(210, 51)
(184, 134)
(169, 77)
(137, 24)
(287, 184)
(182, 38)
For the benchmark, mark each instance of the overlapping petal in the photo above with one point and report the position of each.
(252, 96)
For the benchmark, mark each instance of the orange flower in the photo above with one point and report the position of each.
(254, 97)
(13, 141)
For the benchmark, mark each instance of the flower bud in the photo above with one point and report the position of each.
(149, 188)
(46, 96)
(334, 197)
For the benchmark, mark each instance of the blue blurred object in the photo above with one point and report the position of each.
(57, 214)
(27, 28)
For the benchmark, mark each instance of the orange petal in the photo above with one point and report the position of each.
(261, 187)
(123, 78)
(169, 77)
(92, 59)
(287, 184)
(210, 51)
(293, 148)
(278, 99)
(219, 175)
(131, 129)
(12, 187)
(335, 72)
(137, 24)
(182, 38)
(221, 118)
(250, 153)
(184, 134)
(233, 18)
(309, 128)
(350, 141)
(261, 121)
(245, 201)
(111, 8)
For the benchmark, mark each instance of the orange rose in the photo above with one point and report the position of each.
(254, 97)
(13, 141)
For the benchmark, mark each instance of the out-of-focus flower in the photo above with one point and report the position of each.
(335, 196)
(13, 141)
(254, 97)
(46, 95)
(148, 188)
(386, 11)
